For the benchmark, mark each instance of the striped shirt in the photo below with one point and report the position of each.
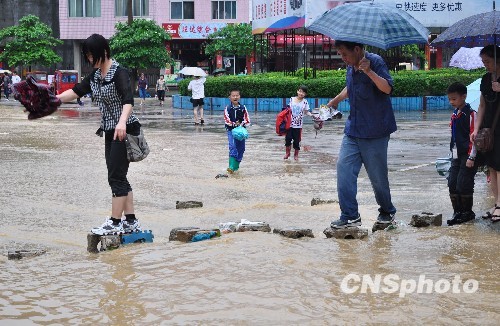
(110, 93)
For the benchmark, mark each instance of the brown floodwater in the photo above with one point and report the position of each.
(54, 190)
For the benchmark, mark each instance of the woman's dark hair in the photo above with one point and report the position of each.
(489, 50)
(303, 88)
(97, 46)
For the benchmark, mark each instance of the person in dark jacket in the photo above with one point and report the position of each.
(463, 165)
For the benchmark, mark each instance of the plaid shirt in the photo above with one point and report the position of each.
(110, 94)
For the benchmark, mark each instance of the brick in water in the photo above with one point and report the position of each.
(294, 233)
(346, 233)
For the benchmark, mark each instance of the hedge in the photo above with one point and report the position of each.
(330, 82)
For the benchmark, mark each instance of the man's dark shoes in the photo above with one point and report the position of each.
(385, 218)
(342, 224)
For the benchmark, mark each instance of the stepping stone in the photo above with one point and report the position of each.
(317, 201)
(383, 226)
(19, 254)
(294, 233)
(426, 219)
(115, 241)
(263, 227)
(347, 233)
(188, 204)
(192, 234)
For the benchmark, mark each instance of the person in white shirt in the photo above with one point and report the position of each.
(15, 78)
(197, 87)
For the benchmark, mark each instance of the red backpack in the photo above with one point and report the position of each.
(283, 121)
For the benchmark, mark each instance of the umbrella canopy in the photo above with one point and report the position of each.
(473, 94)
(467, 58)
(193, 71)
(376, 24)
(477, 30)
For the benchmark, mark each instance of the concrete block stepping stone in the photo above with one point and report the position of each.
(19, 254)
(192, 234)
(426, 219)
(347, 233)
(317, 201)
(246, 225)
(294, 233)
(188, 204)
(114, 241)
(384, 226)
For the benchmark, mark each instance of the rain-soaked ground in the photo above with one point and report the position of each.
(54, 189)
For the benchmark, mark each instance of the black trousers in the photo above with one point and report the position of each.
(117, 163)
(295, 135)
(461, 178)
(161, 95)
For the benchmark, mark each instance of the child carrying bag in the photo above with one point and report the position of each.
(283, 121)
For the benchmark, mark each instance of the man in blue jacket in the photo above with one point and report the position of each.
(367, 132)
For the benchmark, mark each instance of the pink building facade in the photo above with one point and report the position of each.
(189, 22)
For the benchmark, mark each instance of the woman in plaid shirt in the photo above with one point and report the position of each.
(110, 86)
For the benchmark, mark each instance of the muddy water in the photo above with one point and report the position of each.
(54, 190)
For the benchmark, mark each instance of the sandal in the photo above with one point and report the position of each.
(494, 217)
(488, 214)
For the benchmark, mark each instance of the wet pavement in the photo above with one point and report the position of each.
(54, 189)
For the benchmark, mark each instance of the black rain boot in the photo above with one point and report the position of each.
(467, 213)
(457, 209)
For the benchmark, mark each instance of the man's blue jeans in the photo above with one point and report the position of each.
(236, 147)
(372, 152)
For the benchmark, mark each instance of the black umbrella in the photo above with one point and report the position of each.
(477, 30)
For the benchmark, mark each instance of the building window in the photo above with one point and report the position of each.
(139, 8)
(223, 9)
(181, 9)
(84, 8)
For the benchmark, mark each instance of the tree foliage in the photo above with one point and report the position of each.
(30, 42)
(234, 39)
(140, 45)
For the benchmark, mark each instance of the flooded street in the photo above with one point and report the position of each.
(54, 190)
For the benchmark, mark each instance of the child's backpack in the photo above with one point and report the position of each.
(283, 121)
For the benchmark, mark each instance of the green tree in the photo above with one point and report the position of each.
(235, 39)
(412, 50)
(30, 42)
(140, 45)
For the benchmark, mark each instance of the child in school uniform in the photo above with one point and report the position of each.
(300, 107)
(235, 114)
(463, 165)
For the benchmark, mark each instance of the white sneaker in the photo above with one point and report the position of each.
(108, 228)
(129, 227)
